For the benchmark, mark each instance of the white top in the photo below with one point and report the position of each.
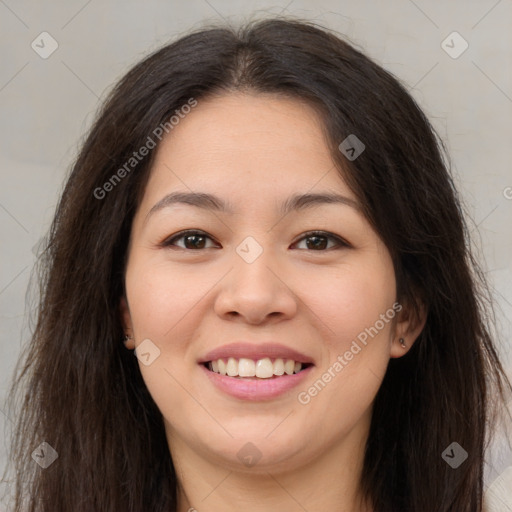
(498, 496)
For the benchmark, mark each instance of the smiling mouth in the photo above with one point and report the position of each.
(250, 369)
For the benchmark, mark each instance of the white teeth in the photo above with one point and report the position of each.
(246, 367)
(279, 367)
(289, 366)
(232, 367)
(262, 368)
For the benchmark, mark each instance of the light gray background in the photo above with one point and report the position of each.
(46, 106)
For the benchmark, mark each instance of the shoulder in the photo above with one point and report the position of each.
(498, 496)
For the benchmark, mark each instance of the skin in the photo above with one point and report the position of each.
(255, 151)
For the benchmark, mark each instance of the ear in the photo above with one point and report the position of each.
(408, 327)
(126, 321)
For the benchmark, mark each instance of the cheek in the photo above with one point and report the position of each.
(161, 296)
(164, 303)
(357, 344)
(350, 301)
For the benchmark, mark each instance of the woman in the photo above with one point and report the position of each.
(265, 218)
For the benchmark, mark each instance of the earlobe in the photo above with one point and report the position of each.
(126, 322)
(408, 328)
(400, 347)
(129, 342)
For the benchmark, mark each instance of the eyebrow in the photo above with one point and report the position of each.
(211, 202)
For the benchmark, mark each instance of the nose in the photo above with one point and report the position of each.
(257, 292)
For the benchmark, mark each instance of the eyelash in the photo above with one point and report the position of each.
(169, 242)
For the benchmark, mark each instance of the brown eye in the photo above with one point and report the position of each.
(193, 240)
(319, 241)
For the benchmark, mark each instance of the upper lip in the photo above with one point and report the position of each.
(255, 351)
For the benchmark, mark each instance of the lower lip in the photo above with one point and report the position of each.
(255, 390)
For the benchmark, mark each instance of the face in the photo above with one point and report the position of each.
(251, 275)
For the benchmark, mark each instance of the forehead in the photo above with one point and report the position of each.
(246, 145)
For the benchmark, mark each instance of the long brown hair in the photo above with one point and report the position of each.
(82, 391)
